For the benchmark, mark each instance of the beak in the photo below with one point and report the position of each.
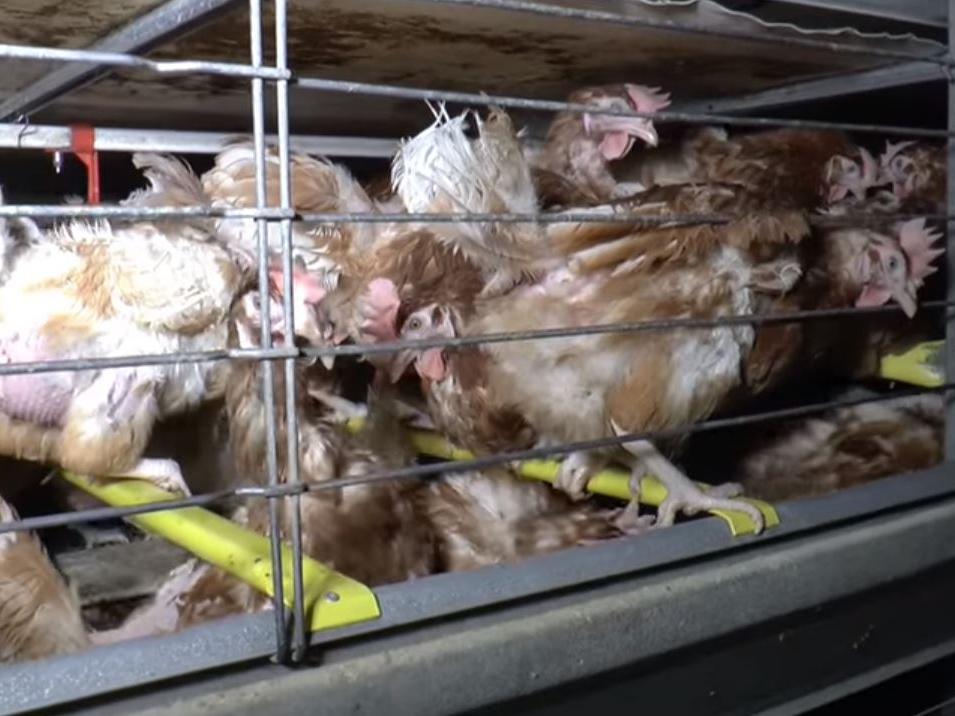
(399, 364)
(327, 361)
(640, 128)
(905, 296)
(837, 192)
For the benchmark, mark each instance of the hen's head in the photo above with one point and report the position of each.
(616, 135)
(312, 324)
(895, 267)
(855, 176)
(910, 167)
(380, 307)
(429, 322)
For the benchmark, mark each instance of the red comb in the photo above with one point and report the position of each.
(917, 242)
(647, 100)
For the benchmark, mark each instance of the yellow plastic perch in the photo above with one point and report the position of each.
(920, 365)
(331, 599)
(610, 483)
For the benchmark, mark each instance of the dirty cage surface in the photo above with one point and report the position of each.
(834, 66)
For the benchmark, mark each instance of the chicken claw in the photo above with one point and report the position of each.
(686, 497)
(683, 495)
(631, 522)
(575, 472)
(164, 474)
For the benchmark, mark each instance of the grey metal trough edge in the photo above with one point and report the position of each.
(245, 639)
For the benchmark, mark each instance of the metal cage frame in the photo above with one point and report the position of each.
(661, 571)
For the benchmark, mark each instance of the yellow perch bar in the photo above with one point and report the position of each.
(331, 599)
(610, 482)
(920, 365)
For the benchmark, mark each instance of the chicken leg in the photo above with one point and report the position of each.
(683, 495)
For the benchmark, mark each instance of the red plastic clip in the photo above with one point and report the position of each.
(83, 145)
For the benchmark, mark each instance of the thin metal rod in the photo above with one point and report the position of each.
(282, 352)
(416, 471)
(44, 211)
(268, 385)
(483, 100)
(663, 324)
(111, 139)
(299, 633)
(573, 13)
(119, 59)
(950, 247)
(39, 211)
(508, 458)
(174, 18)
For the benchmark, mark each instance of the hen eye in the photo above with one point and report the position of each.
(893, 263)
(414, 324)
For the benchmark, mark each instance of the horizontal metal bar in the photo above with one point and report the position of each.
(483, 100)
(533, 589)
(480, 463)
(841, 85)
(109, 139)
(275, 352)
(140, 212)
(75, 364)
(359, 217)
(172, 18)
(590, 217)
(119, 59)
(575, 13)
(636, 327)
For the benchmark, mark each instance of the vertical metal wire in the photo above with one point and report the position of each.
(950, 251)
(268, 390)
(299, 643)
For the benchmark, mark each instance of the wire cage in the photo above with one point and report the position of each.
(675, 570)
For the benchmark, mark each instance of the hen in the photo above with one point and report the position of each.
(587, 159)
(39, 614)
(917, 173)
(574, 165)
(425, 175)
(491, 517)
(325, 249)
(93, 290)
(794, 168)
(846, 447)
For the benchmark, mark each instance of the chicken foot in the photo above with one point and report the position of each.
(575, 473)
(683, 495)
(164, 474)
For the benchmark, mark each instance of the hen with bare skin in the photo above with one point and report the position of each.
(96, 290)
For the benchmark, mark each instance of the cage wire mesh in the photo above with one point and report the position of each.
(291, 632)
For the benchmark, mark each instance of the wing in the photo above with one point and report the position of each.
(442, 171)
(168, 282)
(629, 248)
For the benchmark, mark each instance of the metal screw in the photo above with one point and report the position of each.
(332, 597)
